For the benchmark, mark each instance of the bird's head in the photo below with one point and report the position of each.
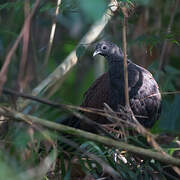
(108, 49)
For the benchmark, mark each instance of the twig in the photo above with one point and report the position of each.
(68, 107)
(22, 68)
(73, 57)
(125, 63)
(101, 139)
(163, 52)
(65, 107)
(4, 69)
(53, 29)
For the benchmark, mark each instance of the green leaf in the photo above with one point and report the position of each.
(175, 41)
(93, 148)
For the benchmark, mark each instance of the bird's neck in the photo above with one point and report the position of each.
(116, 67)
(116, 83)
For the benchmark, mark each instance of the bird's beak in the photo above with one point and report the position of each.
(96, 52)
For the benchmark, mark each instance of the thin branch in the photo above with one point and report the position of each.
(74, 56)
(4, 69)
(22, 68)
(101, 139)
(125, 63)
(65, 107)
(69, 108)
(51, 38)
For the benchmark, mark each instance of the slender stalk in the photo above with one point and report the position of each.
(4, 69)
(51, 38)
(22, 76)
(125, 62)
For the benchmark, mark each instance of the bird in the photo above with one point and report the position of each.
(144, 94)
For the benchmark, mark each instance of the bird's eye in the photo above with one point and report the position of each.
(104, 47)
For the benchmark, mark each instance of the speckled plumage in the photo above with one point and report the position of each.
(144, 95)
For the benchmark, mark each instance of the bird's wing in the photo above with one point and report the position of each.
(97, 93)
(134, 77)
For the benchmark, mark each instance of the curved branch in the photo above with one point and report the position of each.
(97, 138)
